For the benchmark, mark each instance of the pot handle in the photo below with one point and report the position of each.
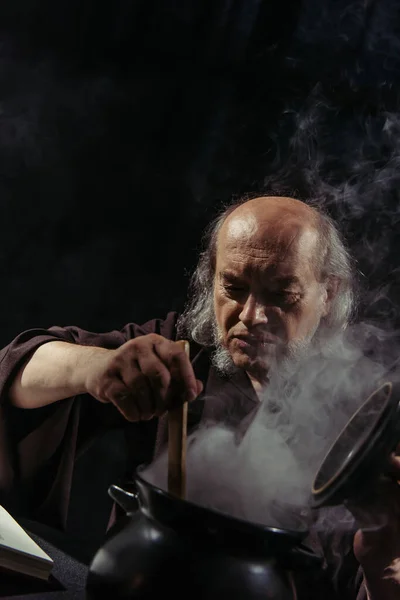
(128, 501)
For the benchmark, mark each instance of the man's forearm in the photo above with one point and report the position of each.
(56, 370)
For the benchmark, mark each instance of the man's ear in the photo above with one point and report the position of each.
(331, 289)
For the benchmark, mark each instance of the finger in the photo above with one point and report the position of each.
(128, 407)
(138, 380)
(144, 397)
(394, 463)
(181, 370)
(138, 397)
(177, 394)
(392, 468)
(118, 394)
(157, 375)
(115, 389)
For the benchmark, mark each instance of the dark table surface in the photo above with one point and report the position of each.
(68, 577)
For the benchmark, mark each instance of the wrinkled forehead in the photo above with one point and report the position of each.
(285, 235)
(280, 248)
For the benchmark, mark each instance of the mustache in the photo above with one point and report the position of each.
(256, 338)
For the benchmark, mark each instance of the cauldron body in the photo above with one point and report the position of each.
(170, 546)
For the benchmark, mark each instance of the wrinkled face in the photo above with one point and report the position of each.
(266, 293)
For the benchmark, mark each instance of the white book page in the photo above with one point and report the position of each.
(13, 536)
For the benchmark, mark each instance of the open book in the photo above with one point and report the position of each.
(18, 551)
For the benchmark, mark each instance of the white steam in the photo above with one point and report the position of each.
(264, 474)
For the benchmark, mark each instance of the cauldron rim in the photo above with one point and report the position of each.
(225, 519)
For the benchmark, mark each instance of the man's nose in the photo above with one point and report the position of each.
(253, 313)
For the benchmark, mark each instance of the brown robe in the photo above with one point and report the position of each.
(39, 447)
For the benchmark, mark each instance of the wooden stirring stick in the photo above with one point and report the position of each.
(177, 431)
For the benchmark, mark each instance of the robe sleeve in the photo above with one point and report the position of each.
(38, 446)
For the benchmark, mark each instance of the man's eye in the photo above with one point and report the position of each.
(234, 289)
(286, 298)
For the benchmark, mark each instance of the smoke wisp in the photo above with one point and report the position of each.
(264, 474)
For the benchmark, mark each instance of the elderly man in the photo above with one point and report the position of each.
(273, 276)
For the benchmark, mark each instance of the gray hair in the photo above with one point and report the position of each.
(197, 321)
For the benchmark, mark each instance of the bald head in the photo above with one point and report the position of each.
(276, 207)
(271, 226)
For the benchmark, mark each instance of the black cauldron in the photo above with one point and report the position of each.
(171, 546)
(168, 546)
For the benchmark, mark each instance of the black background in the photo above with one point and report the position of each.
(125, 125)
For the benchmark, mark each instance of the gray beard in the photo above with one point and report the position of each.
(283, 362)
(222, 361)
